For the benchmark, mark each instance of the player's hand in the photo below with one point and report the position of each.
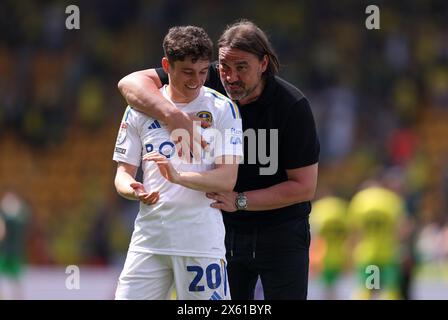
(166, 168)
(144, 196)
(182, 127)
(223, 200)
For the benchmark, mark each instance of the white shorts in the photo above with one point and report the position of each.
(148, 276)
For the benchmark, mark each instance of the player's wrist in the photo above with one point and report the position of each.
(179, 178)
(134, 195)
(128, 194)
(174, 117)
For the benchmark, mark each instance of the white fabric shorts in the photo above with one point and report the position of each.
(148, 276)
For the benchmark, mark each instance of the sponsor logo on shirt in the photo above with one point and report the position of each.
(155, 125)
(235, 136)
(122, 133)
(120, 150)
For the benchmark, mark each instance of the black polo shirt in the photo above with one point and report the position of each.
(280, 106)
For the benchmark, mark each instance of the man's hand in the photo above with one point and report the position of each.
(224, 200)
(144, 196)
(188, 123)
(166, 168)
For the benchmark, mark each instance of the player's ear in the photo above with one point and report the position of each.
(165, 65)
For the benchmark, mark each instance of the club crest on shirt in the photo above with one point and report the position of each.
(122, 133)
(205, 115)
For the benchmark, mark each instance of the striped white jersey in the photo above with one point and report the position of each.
(182, 221)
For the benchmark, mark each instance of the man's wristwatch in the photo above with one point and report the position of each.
(241, 201)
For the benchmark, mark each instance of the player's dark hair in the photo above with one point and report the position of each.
(187, 41)
(247, 36)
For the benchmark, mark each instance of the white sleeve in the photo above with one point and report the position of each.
(230, 127)
(128, 147)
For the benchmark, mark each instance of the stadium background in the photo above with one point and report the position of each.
(380, 99)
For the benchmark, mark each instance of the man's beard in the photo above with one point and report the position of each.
(241, 94)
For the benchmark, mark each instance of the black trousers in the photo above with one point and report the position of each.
(278, 254)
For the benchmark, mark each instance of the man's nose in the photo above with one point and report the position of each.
(231, 76)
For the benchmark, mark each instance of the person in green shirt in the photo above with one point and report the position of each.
(375, 214)
(328, 221)
(14, 212)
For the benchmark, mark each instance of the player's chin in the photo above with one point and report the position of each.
(192, 90)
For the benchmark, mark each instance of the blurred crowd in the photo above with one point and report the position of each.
(380, 98)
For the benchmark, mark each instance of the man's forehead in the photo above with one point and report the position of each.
(235, 55)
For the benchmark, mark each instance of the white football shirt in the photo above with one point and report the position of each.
(182, 221)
